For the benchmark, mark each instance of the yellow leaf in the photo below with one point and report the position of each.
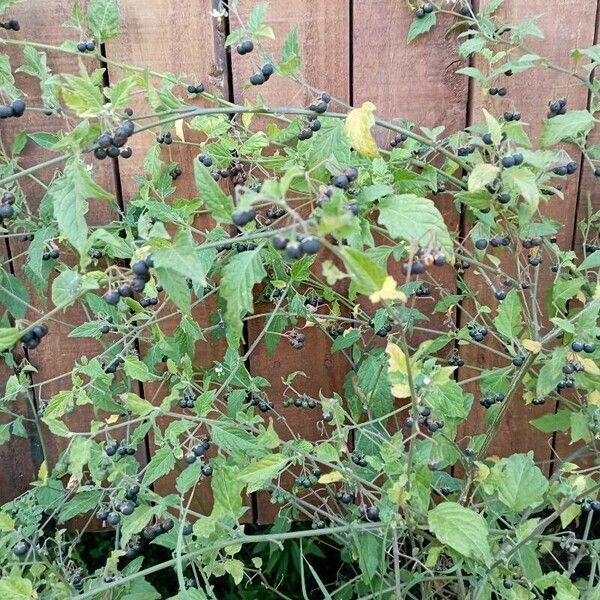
(398, 494)
(581, 297)
(356, 310)
(247, 117)
(331, 477)
(401, 390)
(483, 471)
(179, 129)
(593, 398)
(357, 128)
(112, 419)
(589, 365)
(43, 472)
(397, 362)
(388, 291)
(533, 347)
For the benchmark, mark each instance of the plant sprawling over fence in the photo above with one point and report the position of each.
(302, 231)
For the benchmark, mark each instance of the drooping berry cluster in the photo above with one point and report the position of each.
(495, 91)
(557, 107)
(15, 109)
(11, 24)
(195, 89)
(424, 10)
(297, 248)
(34, 336)
(7, 209)
(245, 47)
(321, 104)
(86, 46)
(263, 75)
(489, 401)
(112, 146)
(296, 339)
(423, 259)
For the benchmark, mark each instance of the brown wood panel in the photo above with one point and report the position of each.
(324, 35)
(184, 39)
(416, 82)
(529, 93)
(43, 23)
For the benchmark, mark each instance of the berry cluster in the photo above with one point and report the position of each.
(263, 75)
(491, 400)
(262, 402)
(52, 254)
(198, 451)
(34, 336)
(426, 9)
(176, 172)
(398, 139)
(296, 339)
(500, 240)
(344, 497)
(370, 513)
(11, 24)
(243, 217)
(15, 109)
(298, 248)
(153, 531)
(189, 399)
(112, 368)
(321, 104)
(456, 361)
(343, 180)
(141, 273)
(567, 169)
(112, 146)
(512, 116)
(587, 347)
(359, 459)
(122, 448)
(7, 210)
(245, 47)
(87, 46)
(465, 150)
(477, 333)
(195, 89)
(424, 259)
(512, 160)
(313, 125)
(335, 331)
(383, 331)
(557, 107)
(495, 91)
(432, 425)
(302, 401)
(166, 138)
(107, 327)
(272, 214)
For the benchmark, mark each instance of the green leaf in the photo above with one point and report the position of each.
(416, 220)
(521, 483)
(69, 195)
(218, 203)
(566, 127)
(482, 175)
(508, 320)
(462, 529)
(138, 406)
(135, 522)
(240, 275)
(525, 181)
(367, 277)
(551, 422)
(551, 373)
(592, 261)
(421, 26)
(161, 463)
(9, 336)
(15, 587)
(189, 477)
(82, 502)
(259, 475)
(103, 19)
(66, 288)
(290, 54)
(138, 370)
(83, 95)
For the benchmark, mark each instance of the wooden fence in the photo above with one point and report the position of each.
(356, 50)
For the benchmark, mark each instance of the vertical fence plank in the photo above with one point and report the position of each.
(529, 93)
(416, 82)
(57, 353)
(324, 34)
(180, 38)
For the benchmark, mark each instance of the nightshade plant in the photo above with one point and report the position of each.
(303, 213)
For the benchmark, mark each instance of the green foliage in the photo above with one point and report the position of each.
(455, 346)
